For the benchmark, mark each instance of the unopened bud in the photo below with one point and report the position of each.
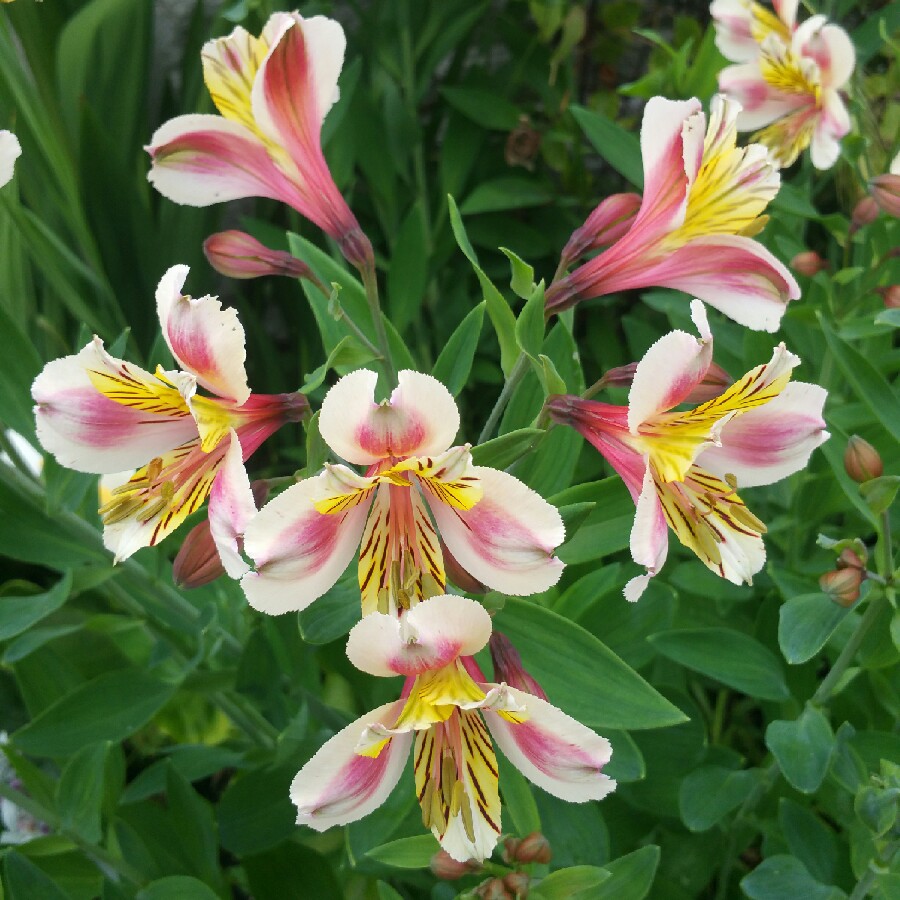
(842, 585)
(861, 460)
(493, 889)
(604, 226)
(864, 213)
(891, 296)
(885, 191)
(508, 666)
(458, 575)
(534, 848)
(850, 559)
(808, 263)
(239, 255)
(443, 865)
(523, 144)
(714, 381)
(517, 883)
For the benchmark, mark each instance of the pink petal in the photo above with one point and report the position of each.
(507, 539)
(670, 370)
(205, 339)
(770, 442)
(419, 419)
(299, 553)
(87, 431)
(649, 538)
(760, 103)
(431, 635)
(553, 750)
(338, 785)
(231, 507)
(831, 48)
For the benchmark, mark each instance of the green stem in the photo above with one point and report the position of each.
(512, 382)
(358, 334)
(876, 867)
(370, 281)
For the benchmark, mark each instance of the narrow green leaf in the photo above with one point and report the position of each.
(531, 323)
(506, 192)
(407, 276)
(181, 886)
(805, 623)
(499, 452)
(574, 883)
(518, 800)
(551, 380)
(709, 793)
(580, 674)
(79, 793)
(406, 853)
(630, 876)
(522, 281)
(17, 614)
(802, 748)
(627, 763)
(784, 876)
(486, 108)
(454, 363)
(19, 365)
(620, 148)
(346, 352)
(332, 615)
(25, 881)
(734, 658)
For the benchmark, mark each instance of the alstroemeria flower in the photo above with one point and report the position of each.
(96, 413)
(703, 197)
(498, 529)
(273, 92)
(790, 90)
(742, 25)
(683, 467)
(447, 715)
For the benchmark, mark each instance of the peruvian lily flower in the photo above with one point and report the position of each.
(742, 26)
(703, 199)
(683, 467)
(273, 92)
(10, 151)
(96, 413)
(498, 529)
(790, 91)
(447, 715)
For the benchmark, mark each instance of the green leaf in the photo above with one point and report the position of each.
(406, 853)
(888, 317)
(551, 380)
(579, 882)
(580, 674)
(522, 282)
(630, 876)
(731, 657)
(25, 881)
(709, 793)
(802, 748)
(881, 492)
(530, 324)
(17, 614)
(607, 528)
(506, 192)
(499, 452)
(79, 792)
(255, 812)
(784, 876)
(620, 148)
(627, 763)
(194, 823)
(809, 838)
(501, 315)
(386, 892)
(866, 381)
(518, 800)
(407, 276)
(181, 886)
(486, 108)
(19, 366)
(109, 708)
(291, 871)
(805, 623)
(332, 615)
(454, 363)
(346, 352)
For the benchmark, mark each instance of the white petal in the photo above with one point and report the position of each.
(508, 538)
(10, 151)
(231, 507)
(299, 553)
(206, 340)
(338, 785)
(419, 419)
(431, 635)
(649, 536)
(553, 750)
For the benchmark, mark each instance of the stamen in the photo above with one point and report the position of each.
(708, 542)
(426, 804)
(456, 798)
(468, 823)
(745, 517)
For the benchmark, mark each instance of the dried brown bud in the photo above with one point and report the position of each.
(861, 460)
(886, 193)
(842, 585)
(808, 263)
(517, 883)
(864, 213)
(493, 889)
(534, 848)
(523, 144)
(443, 865)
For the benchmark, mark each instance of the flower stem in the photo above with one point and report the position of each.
(370, 281)
(512, 382)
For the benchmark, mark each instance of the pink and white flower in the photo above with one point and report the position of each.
(703, 199)
(498, 529)
(273, 93)
(789, 79)
(97, 413)
(683, 467)
(447, 715)
(10, 151)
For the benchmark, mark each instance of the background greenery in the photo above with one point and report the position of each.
(155, 731)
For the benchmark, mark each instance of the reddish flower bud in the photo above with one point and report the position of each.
(510, 849)
(458, 575)
(864, 213)
(885, 191)
(517, 883)
(850, 559)
(493, 889)
(604, 226)
(861, 460)
(443, 865)
(714, 382)
(508, 666)
(808, 263)
(534, 848)
(239, 255)
(842, 585)
(891, 296)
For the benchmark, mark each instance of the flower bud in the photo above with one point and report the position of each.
(517, 883)
(714, 381)
(604, 226)
(458, 575)
(508, 666)
(534, 848)
(861, 460)
(443, 865)
(891, 296)
(864, 213)
(850, 559)
(239, 255)
(523, 144)
(885, 191)
(842, 585)
(808, 263)
(493, 889)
